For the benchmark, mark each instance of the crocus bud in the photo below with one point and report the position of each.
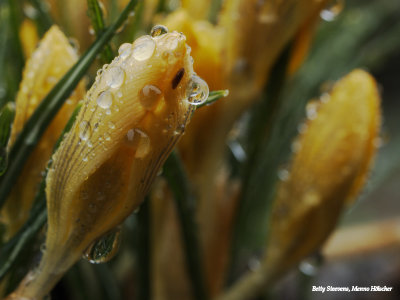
(51, 60)
(131, 119)
(333, 158)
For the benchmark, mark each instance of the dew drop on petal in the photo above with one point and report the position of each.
(104, 100)
(197, 91)
(143, 48)
(104, 248)
(111, 125)
(149, 96)
(283, 174)
(115, 77)
(85, 130)
(138, 139)
(312, 110)
(125, 50)
(158, 30)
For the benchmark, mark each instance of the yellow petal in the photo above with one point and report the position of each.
(51, 60)
(132, 117)
(334, 156)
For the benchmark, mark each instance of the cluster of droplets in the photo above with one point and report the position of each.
(114, 76)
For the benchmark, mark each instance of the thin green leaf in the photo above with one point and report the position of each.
(144, 251)
(95, 14)
(11, 251)
(175, 174)
(7, 114)
(261, 122)
(214, 96)
(18, 55)
(41, 118)
(43, 19)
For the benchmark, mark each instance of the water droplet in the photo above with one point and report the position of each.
(91, 30)
(125, 50)
(254, 264)
(84, 130)
(330, 12)
(149, 96)
(104, 248)
(143, 48)
(310, 265)
(111, 125)
(301, 128)
(115, 77)
(311, 110)
(325, 97)
(107, 137)
(197, 91)
(85, 159)
(140, 140)
(296, 146)
(105, 99)
(283, 174)
(158, 30)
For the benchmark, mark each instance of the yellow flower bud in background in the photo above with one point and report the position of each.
(329, 168)
(332, 156)
(132, 117)
(51, 60)
(28, 36)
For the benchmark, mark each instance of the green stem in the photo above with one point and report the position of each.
(144, 251)
(46, 111)
(260, 123)
(175, 174)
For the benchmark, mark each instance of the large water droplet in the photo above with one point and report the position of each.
(158, 30)
(143, 48)
(85, 130)
(138, 139)
(105, 99)
(125, 50)
(115, 77)
(197, 91)
(332, 10)
(149, 96)
(104, 248)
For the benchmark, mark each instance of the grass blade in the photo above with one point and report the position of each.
(95, 14)
(174, 173)
(11, 251)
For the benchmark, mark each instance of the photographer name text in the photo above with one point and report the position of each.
(353, 288)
